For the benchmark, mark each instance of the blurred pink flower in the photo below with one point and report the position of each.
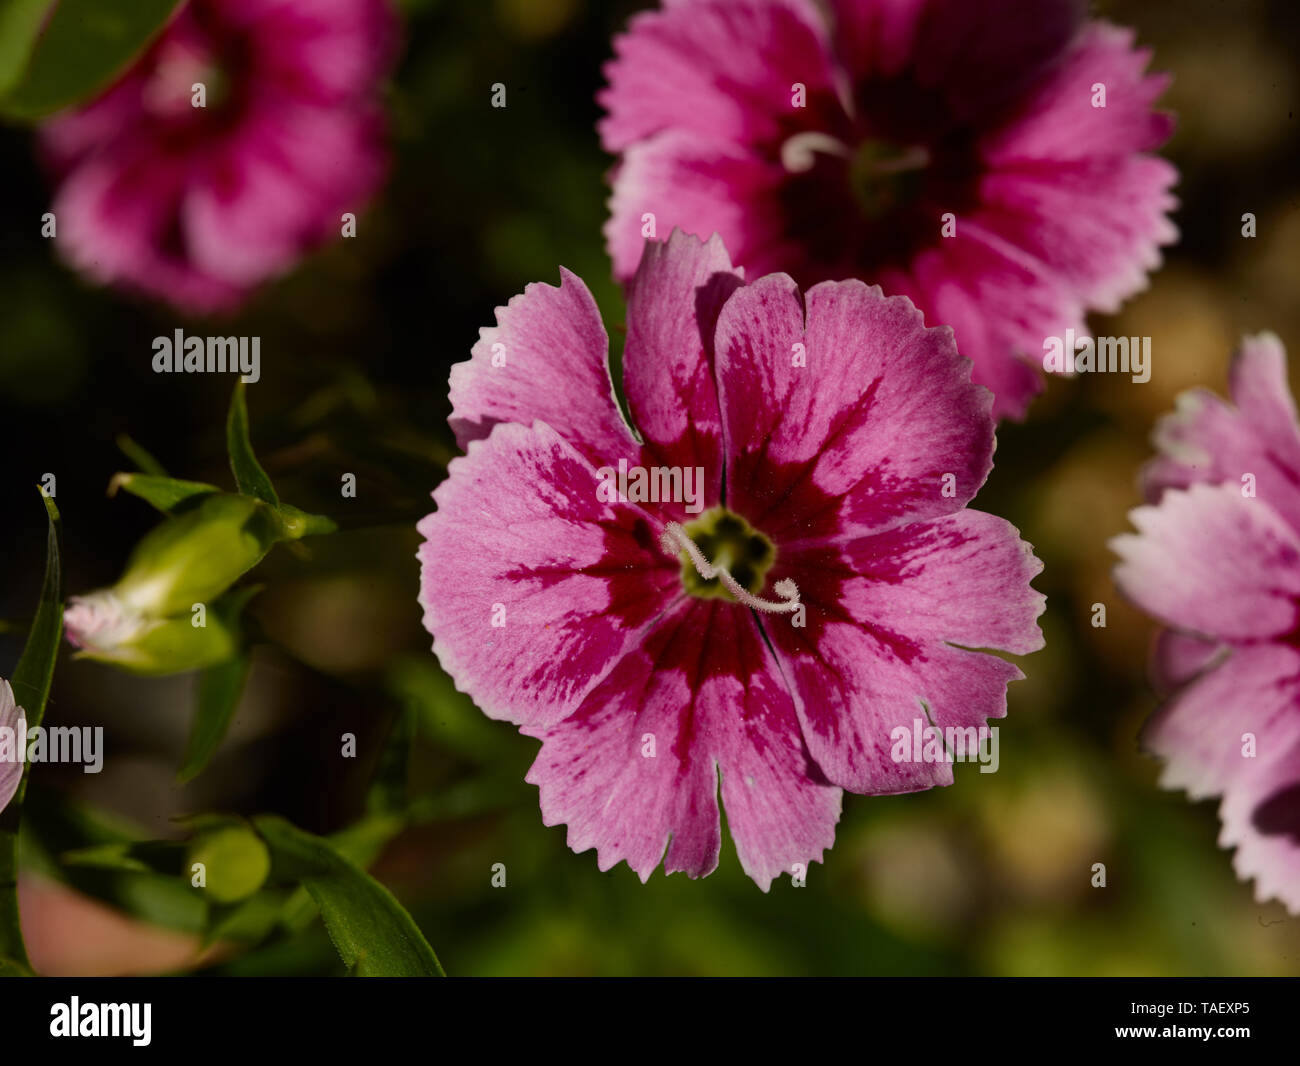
(836, 442)
(71, 935)
(199, 205)
(11, 765)
(837, 150)
(1217, 559)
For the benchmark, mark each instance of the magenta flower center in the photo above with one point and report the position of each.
(868, 193)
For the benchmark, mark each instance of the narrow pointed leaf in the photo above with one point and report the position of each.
(249, 475)
(164, 493)
(143, 459)
(220, 688)
(164, 857)
(31, 684)
(35, 669)
(373, 934)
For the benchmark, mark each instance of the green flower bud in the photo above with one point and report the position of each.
(169, 612)
(195, 556)
(235, 862)
(105, 629)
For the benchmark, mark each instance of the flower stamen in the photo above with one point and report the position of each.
(797, 150)
(676, 540)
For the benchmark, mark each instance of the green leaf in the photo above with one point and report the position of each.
(138, 455)
(249, 475)
(105, 857)
(83, 48)
(364, 840)
(220, 687)
(388, 786)
(372, 933)
(249, 921)
(31, 684)
(20, 24)
(35, 669)
(361, 843)
(164, 493)
(164, 857)
(253, 481)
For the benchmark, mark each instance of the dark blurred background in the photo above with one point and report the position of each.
(989, 876)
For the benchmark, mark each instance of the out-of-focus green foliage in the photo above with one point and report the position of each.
(58, 54)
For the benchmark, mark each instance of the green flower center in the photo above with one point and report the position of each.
(728, 542)
(884, 175)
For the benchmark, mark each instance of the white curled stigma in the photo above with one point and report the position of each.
(675, 540)
(797, 152)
